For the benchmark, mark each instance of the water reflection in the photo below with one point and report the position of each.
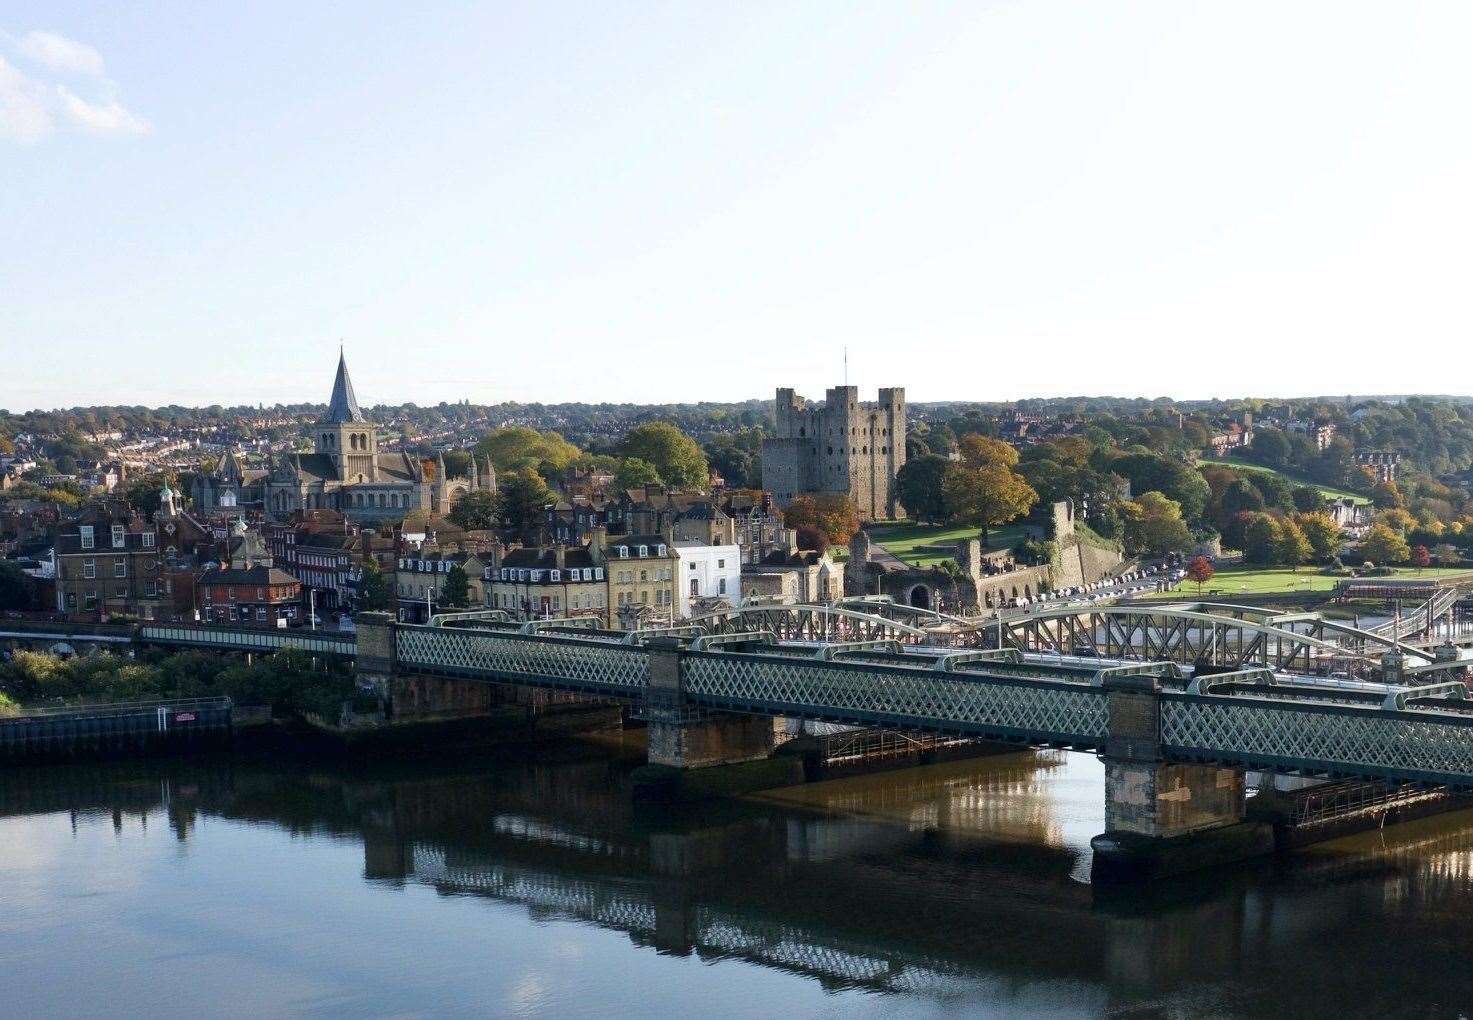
(952, 886)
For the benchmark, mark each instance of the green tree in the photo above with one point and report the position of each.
(1149, 472)
(1154, 525)
(517, 446)
(987, 496)
(1270, 447)
(455, 593)
(475, 511)
(979, 450)
(1261, 538)
(521, 502)
(1384, 546)
(634, 473)
(1387, 495)
(1293, 548)
(673, 454)
(1307, 499)
(1322, 533)
(373, 588)
(918, 487)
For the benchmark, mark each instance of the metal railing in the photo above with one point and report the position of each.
(111, 709)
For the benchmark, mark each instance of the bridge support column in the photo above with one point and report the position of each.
(376, 658)
(1162, 818)
(694, 754)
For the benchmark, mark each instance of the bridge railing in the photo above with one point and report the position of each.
(197, 635)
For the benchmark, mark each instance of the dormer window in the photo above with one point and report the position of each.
(660, 550)
(623, 552)
(644, 551)
(120, 536)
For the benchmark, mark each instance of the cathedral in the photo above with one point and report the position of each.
(345, 471)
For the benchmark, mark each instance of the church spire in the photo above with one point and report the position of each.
(344, 404)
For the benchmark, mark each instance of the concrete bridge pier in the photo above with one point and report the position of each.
(1161, 818)
(694, 754)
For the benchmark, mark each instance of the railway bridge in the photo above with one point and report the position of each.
(1175, 741)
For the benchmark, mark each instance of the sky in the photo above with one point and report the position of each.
(664, 202)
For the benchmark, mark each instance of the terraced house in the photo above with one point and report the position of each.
(107, 565)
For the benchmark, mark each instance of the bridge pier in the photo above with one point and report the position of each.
(1163, 818)
(694, 754)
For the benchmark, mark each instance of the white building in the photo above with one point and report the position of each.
(707, 573)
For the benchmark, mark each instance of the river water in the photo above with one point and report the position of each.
(501, 887)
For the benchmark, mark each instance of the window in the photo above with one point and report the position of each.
(120, 567)
(120, 536)
(91, 600)
(148, 537)
(556, 575)
(644, 575)
(89, 539)
(720, 564)
(151, 589)
(644, 551)
(261, 613)
(89, 569)
(695, 587)
(623, 552)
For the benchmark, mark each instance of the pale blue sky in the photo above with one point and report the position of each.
(701, 200)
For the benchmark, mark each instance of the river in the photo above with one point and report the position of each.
(241, 886)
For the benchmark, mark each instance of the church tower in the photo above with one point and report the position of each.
(345, 435)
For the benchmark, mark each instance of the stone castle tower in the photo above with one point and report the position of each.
(840, 446)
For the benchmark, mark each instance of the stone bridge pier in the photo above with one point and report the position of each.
(1163, 818)
(693, 753)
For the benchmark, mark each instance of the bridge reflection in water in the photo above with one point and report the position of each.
(953, 884)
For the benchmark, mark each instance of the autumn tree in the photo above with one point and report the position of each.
(1200, 571)
(979, 451)
(1383, 545)
(1293, 547)
(1421, 557)
(1154, 525)
(986, 496)
(1322, 533)
(516, 447)
(831, 514)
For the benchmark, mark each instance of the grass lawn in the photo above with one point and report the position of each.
(903, 539)
(1260, 580)
(1292, 479)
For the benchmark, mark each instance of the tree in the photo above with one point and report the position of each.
(1240, 495)
(831, 514)
(1322, 533)
(1149, 472)
(1292, 548)
(1154, 525)
(1396, 519)
(1386, 495)
(1200, 571)
(517, 446)
(1383, 545)
(811, 538)
(1261, 539)
(1307, 499)
(634, 473)
(918, 487)
(373, 589)
(17, 589)
(673, 454)
(978, 451)
(456, 591)
(1421, 557)
(986, 496)
(474, 511)
(1270, 447)
(521, 501)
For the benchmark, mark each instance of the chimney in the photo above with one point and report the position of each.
(560, 555)
(598, 538)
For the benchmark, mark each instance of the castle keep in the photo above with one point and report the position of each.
(839, 446)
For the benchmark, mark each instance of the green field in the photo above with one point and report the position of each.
(903, 539)
(1292, 479)
(1263, 580)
